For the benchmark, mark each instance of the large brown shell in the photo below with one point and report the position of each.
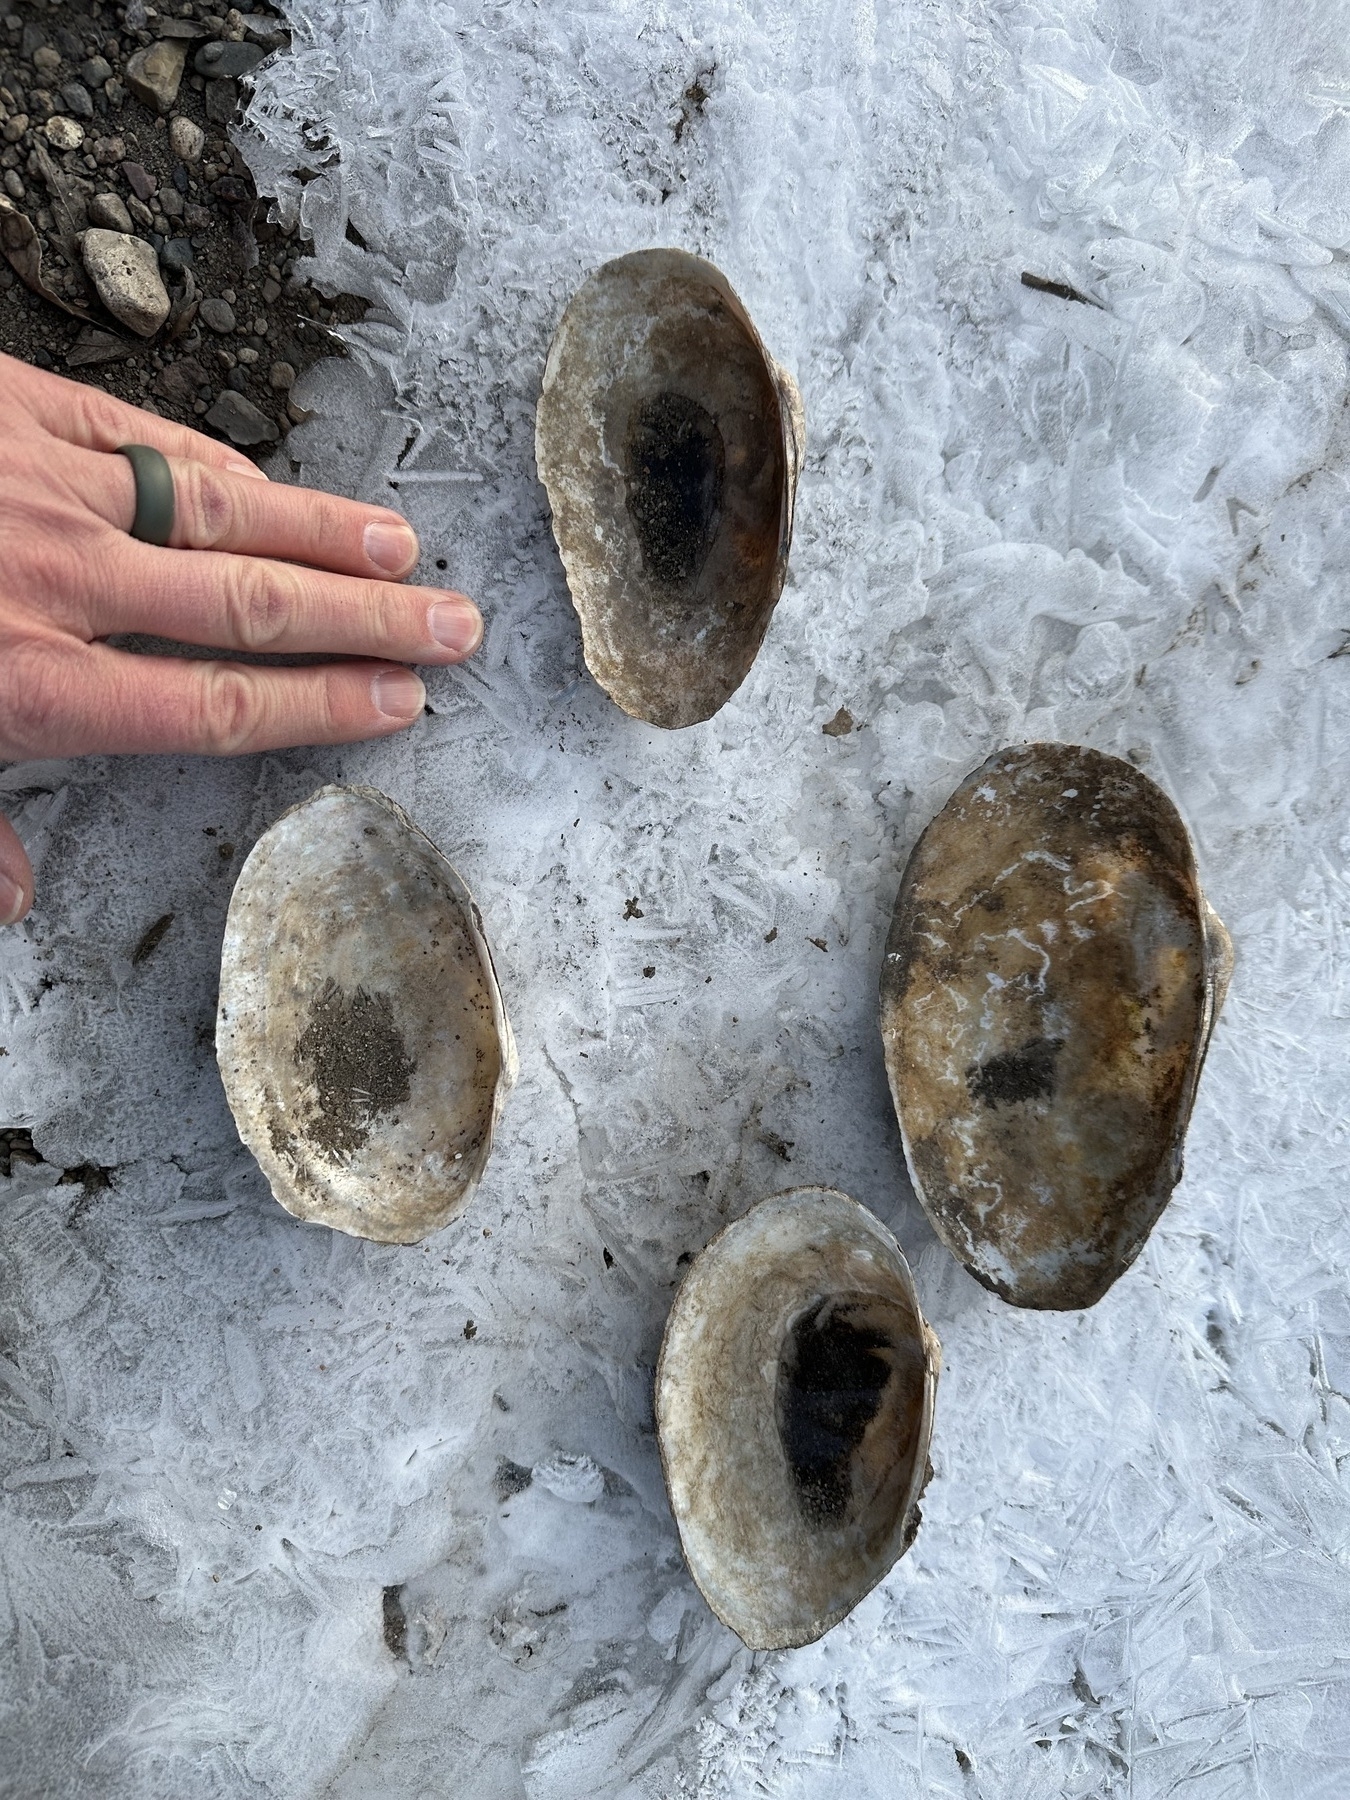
(669, 442)
(1052, 978)
(361, 1036)
(794, 1406)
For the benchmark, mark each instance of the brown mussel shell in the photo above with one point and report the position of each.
(669, 443)
(1052, 978)
(794, 1407)
(361, 1036)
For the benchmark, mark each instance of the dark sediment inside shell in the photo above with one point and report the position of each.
(1051, 981)
(668, 441)
(794, 1405)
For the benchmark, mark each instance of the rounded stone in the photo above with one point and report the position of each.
(125, 272)
(63, 133)
(217, 314)
(109, 211)
(186, 139)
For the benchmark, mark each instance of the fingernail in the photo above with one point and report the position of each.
(398, 694)
(240, 465)
(13, 901)
(390, 546)
(455, 624)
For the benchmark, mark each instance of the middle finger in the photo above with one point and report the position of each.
(253, 603)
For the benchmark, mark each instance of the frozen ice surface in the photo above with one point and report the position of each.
(284, 1514)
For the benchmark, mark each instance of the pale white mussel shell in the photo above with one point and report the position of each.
(1052, 978)
(361, 1035)
(669, 442)
(794, 1407)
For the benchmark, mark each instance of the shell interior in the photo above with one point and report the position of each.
(361, 1036)
(794, 1403)
(1051, 981)
(669, 442)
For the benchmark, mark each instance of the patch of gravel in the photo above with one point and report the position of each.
(116, 119)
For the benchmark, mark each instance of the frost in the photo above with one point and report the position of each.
(1122, 523)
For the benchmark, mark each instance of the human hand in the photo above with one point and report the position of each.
(271, 568)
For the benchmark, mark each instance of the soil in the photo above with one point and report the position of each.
(211, 234)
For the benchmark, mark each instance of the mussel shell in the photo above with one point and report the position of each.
(1051, 981)
(361, 1036)
(669, 442)
(794, 1406)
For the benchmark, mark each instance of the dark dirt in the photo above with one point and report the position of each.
(354, 1053)
(830, 1383)
(675, 468)
(239, 320)
(1027, 1073)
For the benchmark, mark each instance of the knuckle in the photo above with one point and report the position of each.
(39, 696)
(232, 712)
(263, 606)
(208, 507)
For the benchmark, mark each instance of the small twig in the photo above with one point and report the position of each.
(1060, 289)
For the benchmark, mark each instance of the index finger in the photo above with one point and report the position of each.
(93, 420)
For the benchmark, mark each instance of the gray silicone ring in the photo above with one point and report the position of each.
(153, 523)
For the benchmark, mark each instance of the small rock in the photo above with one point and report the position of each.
(237, 381)
(241, 421)
(108, 211)
(171, 203)
(271, 291)
(96, 71)
(269, 31)
(108, 151)
(125, 271)
(180, 381)
(179, 28)
(63, 133)
(177, 254)
(117, 94)
(15, 128)
(218, 314)
(282, 377)
(46, 61)
(186, 139)
(139, 179)
(78, 101)
(154, 75)
(227, 60)
(13, 185)
(222, 101)
(140, 212)
(34, 37)
(248, 356)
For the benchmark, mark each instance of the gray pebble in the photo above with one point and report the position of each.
(77, 100)
(96, 71)
(218, 314)
(177, 253)
(222, 100)
(117, 94)
(109, 211)
(227, 60)
(241, 421)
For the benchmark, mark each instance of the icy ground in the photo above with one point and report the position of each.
(285, 1514)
